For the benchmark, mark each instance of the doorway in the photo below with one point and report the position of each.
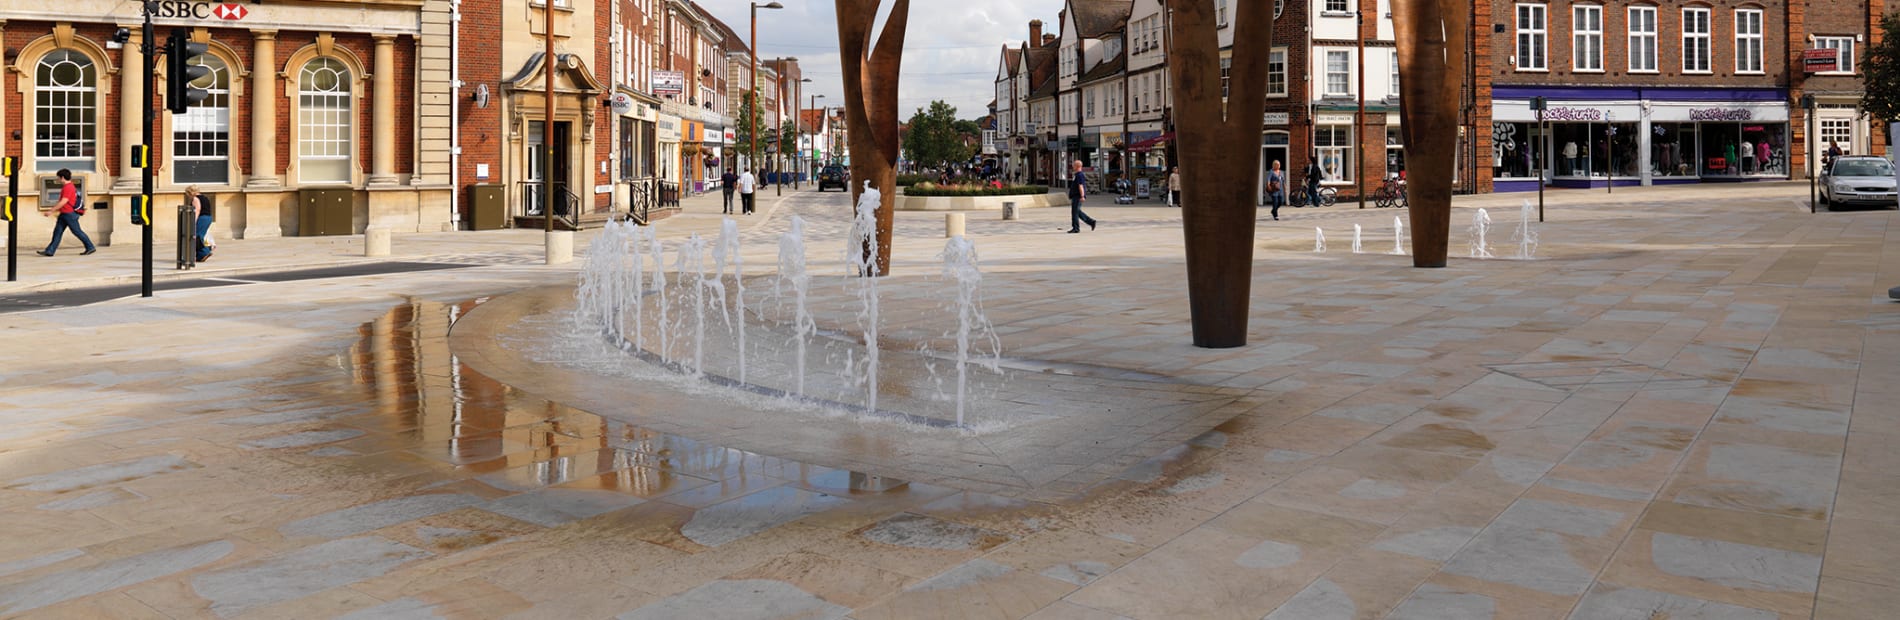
(534, 183)
(1273, 147)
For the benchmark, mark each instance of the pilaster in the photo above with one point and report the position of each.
(383, 118)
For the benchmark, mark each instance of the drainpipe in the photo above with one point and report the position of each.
(455, 113)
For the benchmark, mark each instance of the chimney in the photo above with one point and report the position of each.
(1035, 32)
(1048, 39)
(1062, 20)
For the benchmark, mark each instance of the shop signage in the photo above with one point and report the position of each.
(1821, 60)
(1335, 119)
(1277, 119)
(621, 103)
(669, 82)
(1573, 114)
(183, 9)
(732, 135)
(1721, 114)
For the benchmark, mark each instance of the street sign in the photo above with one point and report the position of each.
(1821, 60)
(669, 82)
(621, 103)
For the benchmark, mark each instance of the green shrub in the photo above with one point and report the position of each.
(907, 180)
(933, 189)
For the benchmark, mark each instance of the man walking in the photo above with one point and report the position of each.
(1312, 181)
(1077, 192)
(747, 185)
(68, 216)
(729, 183)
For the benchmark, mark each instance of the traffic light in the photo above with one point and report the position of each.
(140, 157)
(180, 71)
(9, 168)
(142, 210)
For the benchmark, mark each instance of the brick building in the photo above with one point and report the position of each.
(304, 96)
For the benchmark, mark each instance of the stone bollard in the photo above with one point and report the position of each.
(952, 225)
(1009, 210)
(375, 241)
(560, 245)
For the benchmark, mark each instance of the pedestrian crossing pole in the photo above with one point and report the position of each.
(142, 205)
(10, 208)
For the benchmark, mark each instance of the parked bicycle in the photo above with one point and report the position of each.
(1328, 196)
(1391, 193)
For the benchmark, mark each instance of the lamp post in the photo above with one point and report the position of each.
(1807, 106)
(1359, 123)
(1543, 152)
(547, 130)
(814, 134)
(755, 112)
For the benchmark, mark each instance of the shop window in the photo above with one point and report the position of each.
(1517, 150)
(1844, 50)
(66, 99)
(1394, 151)
(1587, 38)
(1337, 6)
(1276, 72)
(1642, 30)
(324, 122)
(1572, 144)
(1748, 41)
(1532, 37)
(1673, 150)
(1695, 41)
(1334, 144)
(201, 137)
(1338, 73)
(626, 149)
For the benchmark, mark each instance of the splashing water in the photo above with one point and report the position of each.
(791, 272)
(1526, 236)
(691, 268)
(1480, 227)
(861, 255)
(1398, 236)
(960, 265)
(659, 289)
(729, 247)
(1356, 249)
(1319, 240)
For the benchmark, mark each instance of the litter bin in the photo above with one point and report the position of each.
(187, 237)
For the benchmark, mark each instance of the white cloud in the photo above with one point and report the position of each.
(951, 50)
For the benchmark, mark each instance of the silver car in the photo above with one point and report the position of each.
(1859, 180)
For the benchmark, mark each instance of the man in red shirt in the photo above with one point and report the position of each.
(68, 216)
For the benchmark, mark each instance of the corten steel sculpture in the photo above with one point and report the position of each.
(1431, 40)
(870, 104)
(1220, 161)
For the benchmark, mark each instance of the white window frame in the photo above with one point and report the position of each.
(1536, 31)
(1276, 72)
(1220, 13)
(1844, 54)
(1642, 40)
(1701, 59)
(1395, 74)
(1748, 41)
(81, 99)
(326, 134)
(1335, 7)
(1586, 38)
(206, 125)
(1345, 76)
(1331, 145)
(1226, 76)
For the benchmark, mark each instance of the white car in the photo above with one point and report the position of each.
(1859, 180)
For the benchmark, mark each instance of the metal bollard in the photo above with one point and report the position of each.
(952, 225)
(1009, 210)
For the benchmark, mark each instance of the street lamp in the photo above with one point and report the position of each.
(1807, 104)
(754, 112)
(814, 135)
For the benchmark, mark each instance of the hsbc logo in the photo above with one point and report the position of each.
(185, 9)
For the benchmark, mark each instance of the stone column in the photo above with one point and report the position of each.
(131, 122)
(383, 148)
(264, 110)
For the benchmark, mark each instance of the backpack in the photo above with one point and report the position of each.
(79, 199)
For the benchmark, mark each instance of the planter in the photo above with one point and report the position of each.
(980, 203)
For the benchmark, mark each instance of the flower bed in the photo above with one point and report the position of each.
(933, 189)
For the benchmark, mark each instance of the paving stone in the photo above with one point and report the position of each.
(301, 573)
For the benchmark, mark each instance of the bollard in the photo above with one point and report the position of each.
(952, 225)
(560, 245)
(375, 241)
(1009, 210)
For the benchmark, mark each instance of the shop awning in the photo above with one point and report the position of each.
(1151, 143)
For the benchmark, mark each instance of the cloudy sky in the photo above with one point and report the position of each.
(951, 51)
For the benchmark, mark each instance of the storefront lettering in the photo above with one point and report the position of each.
(1573, 114)
(1722, 114)
(196, 10)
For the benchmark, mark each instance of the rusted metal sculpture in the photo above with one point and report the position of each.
(1220, 161)
(870, 104)
(1431, 43)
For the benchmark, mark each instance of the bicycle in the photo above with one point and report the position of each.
(1327, 197)
(1390, 193)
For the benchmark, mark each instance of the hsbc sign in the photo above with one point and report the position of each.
(184, 9)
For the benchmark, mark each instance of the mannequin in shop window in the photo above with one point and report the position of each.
(1528, 161)
(1570, 157)
(1748, 157)
(1728, 154)
(1764, 156)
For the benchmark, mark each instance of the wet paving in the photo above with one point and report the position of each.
(1683, 411)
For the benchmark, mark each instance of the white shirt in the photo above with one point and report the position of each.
(747, 183)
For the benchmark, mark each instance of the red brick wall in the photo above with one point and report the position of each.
(603, 66)
(481, 130)
(1668, 44)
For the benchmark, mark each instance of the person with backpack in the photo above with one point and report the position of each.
(203, 209)
(72, 204)
(1312, 181)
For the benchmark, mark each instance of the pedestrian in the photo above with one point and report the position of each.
(203, 209)
(1174, 186)
(1078, 193)
(1312, 181)
(1833, 151)
(729, 183)
(69, 210)
(1276, 189)
(747, 185)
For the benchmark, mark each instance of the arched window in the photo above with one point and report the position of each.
(66, 96)
(324, 126)
(201, 137)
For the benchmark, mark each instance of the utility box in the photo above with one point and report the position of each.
(325, 212)
(488, 206)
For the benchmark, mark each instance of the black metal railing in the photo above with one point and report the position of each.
(566, 205)
(669, 194)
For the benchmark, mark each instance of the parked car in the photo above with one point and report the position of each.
(1859, 180)
(833, 176)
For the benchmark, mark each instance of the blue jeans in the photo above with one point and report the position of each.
(68, 220)
(1077, 217)
(204, 226)
(1312, 194)
(1276, 199)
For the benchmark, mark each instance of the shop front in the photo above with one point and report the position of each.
(668, 137)
(1590, 137)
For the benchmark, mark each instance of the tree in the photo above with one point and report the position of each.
(1880, 73)
(750, 117)
(870, 104)
(934, 139)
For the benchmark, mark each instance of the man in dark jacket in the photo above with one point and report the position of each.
(1312, 180)
(729, 183)
(1078, 191)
